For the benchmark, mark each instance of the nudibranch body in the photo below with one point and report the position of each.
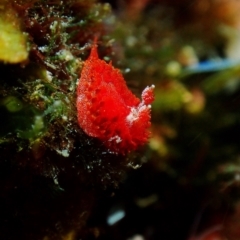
(108, 110)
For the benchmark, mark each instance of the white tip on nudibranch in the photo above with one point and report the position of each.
(147, 95)
(116, 138)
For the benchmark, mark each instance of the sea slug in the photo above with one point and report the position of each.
(107, 109)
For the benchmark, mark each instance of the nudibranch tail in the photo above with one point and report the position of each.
(108, 110)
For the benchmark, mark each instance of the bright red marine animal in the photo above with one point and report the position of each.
(108, 110)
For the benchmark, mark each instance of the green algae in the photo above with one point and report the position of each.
(13, 40)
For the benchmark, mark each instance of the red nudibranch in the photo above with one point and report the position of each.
(107, 109)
